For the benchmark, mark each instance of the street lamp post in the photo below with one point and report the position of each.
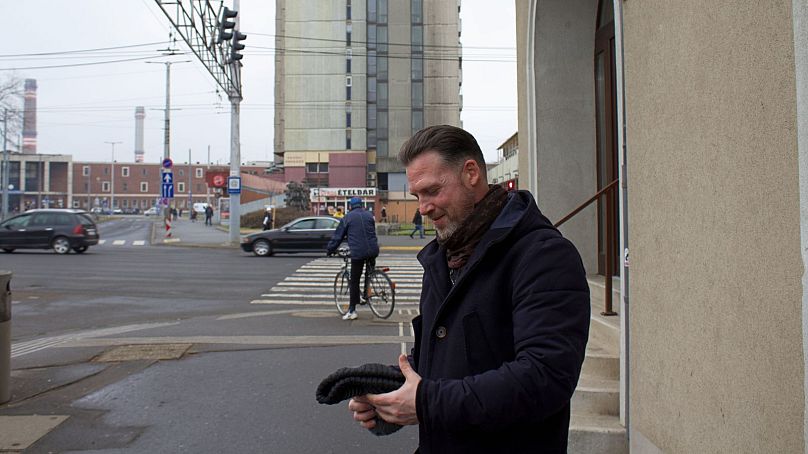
(112, 182)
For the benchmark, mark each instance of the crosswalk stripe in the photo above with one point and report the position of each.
(118, 242)
(102, 241)
(312, 283)
(138, 243)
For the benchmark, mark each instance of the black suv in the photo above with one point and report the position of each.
(60, 230)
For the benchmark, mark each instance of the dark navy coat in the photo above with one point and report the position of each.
(500, 353)
(360, 228)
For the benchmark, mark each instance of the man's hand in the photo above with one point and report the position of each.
(397, 406)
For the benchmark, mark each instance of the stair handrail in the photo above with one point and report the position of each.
(609, 247)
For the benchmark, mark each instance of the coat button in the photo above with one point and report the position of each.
(440, 332)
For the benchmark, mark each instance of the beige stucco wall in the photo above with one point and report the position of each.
(716, 339)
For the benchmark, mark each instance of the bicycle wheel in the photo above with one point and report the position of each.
(382, 295)
(342, 291)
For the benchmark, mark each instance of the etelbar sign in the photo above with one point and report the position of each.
(343, 192)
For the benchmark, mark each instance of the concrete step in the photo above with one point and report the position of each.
(597, 434)
(596, 396)
(601, 364)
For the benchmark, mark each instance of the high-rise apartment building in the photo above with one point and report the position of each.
(354, 79)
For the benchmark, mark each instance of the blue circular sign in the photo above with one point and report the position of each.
(167, 163)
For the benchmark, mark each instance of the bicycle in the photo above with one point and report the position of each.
(379, 292)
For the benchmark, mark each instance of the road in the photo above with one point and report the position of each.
(172, 349)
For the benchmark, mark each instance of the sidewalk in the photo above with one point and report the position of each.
(197, 234)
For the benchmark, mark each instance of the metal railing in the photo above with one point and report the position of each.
(607, 190)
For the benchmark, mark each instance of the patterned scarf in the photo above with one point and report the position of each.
(461, 244)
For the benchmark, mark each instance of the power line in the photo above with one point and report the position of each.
(79, 50)
(80, 64)
(436, 46)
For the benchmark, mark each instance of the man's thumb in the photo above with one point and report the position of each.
(405, 367)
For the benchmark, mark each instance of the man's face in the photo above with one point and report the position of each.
(442, 192)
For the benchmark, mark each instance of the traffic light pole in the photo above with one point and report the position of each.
(6, 167)
(235, 144)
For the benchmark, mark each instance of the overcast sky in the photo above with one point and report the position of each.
(80, 108)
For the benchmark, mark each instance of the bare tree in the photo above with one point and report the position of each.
(11, 93)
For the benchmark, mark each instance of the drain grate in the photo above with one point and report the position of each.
(143, 352)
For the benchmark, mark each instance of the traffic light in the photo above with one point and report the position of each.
(235, 53)
(226, 25)
(510, 185)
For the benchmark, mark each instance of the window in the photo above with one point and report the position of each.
(124, 171)
(86, 187)
(348, 81)
(381, 88)
(105, 186)
(417, 38)
(371, 11)
(371, 63)
(417, 95)
(348, 38)
(348, 65)
(372, 90)
(348, 11)
(347, 92)
(326, 224)
(306, 224)
(417, 121)
(347, 120)
(382, 68)
(200, 172)
(181, 173)
(106, 171)
(348, 139)
(144, 172)
(382, 11)
(417, 68)
(381, 38)
(125, 186)
(417, 15)
(180, 187)
(85, 171)
(144, 186)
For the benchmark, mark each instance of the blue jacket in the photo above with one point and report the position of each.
(360, 228)
(500, 353)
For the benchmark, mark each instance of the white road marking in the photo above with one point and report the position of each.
(119, 242)
(35, 345)
(138, 243)
(102, 241)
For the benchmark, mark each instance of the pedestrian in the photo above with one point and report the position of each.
(174, 214)
(267, 222)
(339, 214)
(418, 221)
(360, 229)
(384, 214)
(208, 215)
(504, 313)
(193, 215)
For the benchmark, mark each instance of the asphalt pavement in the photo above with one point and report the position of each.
(185, 370)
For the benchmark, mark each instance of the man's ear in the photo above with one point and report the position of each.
(471, 172)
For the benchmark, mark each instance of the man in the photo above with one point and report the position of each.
(267, 222)
(383, 218)
(360, 228)
(418, 222)
(504, 313)
(208, 215)
(339, 214)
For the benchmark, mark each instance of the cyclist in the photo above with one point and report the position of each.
(360, 228)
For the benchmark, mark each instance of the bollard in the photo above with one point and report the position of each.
(5, 336)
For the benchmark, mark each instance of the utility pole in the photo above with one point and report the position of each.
(197, 22)
(190, 183)
(6, 166)
(112, 172)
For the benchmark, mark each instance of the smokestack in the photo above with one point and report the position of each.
(29, 118)
(140, 114)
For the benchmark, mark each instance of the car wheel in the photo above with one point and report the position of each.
(80, 249)
(60, 245)
(8, 249)
(262, 248)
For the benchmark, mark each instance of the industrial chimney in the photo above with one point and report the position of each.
(29, 118)
(140, 114)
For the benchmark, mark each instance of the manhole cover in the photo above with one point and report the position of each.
(144, 352)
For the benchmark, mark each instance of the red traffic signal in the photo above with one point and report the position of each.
(510, 185)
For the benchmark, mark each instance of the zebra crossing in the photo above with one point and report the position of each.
(121, 242)
(313, 283)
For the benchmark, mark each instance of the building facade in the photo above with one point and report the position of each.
(699, 109)
(359, 77)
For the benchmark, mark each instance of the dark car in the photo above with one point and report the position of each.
(57, 229)
(309, 234)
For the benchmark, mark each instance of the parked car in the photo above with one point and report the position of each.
(307, 234)
(57, 229)
(117, 211)
(153, 211)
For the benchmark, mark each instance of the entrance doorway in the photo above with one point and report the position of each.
(606, 131)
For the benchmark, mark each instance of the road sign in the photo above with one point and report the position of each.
(167, 191)
(168, 178)
(167, 163)
(234, 185)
